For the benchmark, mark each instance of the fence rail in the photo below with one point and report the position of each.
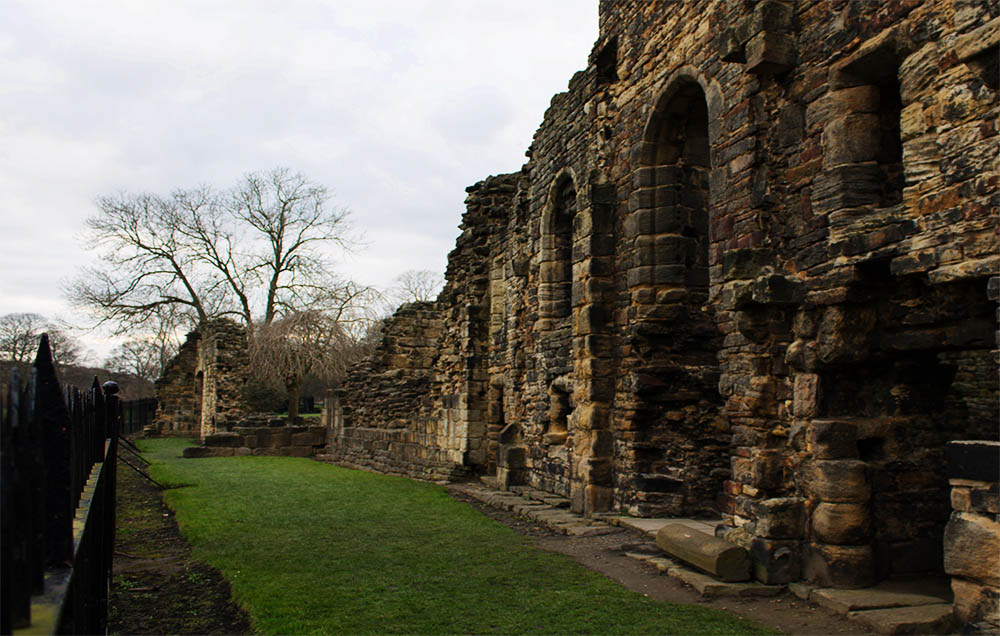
(58, 455)
(137, 414)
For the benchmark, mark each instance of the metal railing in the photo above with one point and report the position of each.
(58, 456)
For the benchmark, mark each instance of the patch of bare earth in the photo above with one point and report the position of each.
(157, 588)
(606, 554)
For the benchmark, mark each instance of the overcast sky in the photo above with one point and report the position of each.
(395, 105)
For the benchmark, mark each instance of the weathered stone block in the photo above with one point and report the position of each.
(770, 53)
(806, 395)
(972, 547)
(975, 602)
(513, 457)
(780, 518)
(851, 139)
(228, 439)
(839, 481)
(839, 566)
(775, 562)
(720, 558)
(841, 523)
(832, 439)
(776, 289)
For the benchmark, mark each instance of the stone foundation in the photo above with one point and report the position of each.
(263, 436)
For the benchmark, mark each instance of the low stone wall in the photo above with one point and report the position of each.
(287, 441)
(972, 536)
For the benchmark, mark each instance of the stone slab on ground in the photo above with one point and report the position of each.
(650, 526)
(712, 587)
(581, 530)
(923, 619)
(884, 595)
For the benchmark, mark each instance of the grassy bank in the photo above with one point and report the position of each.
(315, 548)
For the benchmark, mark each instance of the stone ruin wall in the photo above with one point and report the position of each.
(201, 389)
(750, 267)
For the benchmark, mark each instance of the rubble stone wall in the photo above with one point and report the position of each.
(200, 391)
(972, 536)
(747, 270)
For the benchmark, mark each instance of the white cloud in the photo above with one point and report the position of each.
(396, 105)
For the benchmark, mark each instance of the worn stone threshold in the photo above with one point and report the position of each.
(922, 606)
(891, 607)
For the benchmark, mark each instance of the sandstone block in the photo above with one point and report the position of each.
(832, 439)
(972, 547)
(775, 562)
(806, 395)
(839, 481)
(724, 560)
(839, 566)
(770, 52)
(780, 518)
(297, 451)
(851, 139)
(227, 439)
(841, 523)
(975, 602)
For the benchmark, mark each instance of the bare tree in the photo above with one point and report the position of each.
(417, 286)
(256, 252)
(143, 358)
(313, 342)
(20, 334)
(253, 252)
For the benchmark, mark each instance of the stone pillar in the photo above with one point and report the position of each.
(972, 536)
(840, 552)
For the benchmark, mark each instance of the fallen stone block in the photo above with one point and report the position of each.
(883, 596)
(718, 557)
(924, 619)
(711, 587)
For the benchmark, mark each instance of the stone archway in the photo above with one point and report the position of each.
(673, 431)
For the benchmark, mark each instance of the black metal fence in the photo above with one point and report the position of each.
(58, 453)
(137, 414)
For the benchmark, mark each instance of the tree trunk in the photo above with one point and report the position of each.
(294, 388)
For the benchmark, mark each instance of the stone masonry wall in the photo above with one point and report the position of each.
(200, 391)
(178, 410)
(972, 536)
(745, 271)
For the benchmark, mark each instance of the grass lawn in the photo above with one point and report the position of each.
(314, 548)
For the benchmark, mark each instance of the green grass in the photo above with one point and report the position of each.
(313, 548)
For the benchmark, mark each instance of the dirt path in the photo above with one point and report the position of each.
(606, 554)
(157, 587)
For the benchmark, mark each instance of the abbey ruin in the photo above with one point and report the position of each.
(750, 269)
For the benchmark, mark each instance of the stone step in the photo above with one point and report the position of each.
(885, 595)
(724, 560)
(711, 587)
(922, 619)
